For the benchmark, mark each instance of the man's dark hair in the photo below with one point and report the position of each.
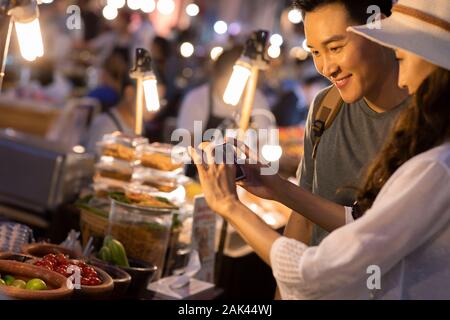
(357, 9)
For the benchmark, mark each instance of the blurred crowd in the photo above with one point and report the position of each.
(91, 65)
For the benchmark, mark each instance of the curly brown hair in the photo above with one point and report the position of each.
(421, 126)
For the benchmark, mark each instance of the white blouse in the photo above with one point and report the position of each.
(406, 234)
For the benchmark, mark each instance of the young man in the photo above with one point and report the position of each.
(366, 76)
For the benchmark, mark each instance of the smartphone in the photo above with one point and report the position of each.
(226, 149)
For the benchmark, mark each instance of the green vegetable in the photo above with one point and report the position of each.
(9, 279)
(19, 284)
(105, 254)
(36, 284)
(118, 254)
(114, 252)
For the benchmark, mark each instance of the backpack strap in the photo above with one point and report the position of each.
(324, 116)
(114, 119)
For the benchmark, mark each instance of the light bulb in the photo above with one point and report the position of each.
(295, 16)
(116, 3)
(148, 6)
(298, 53)
(30, 39)
(109, 12)
(216, 52)
(274, 51)
(192, 10)
(236, 84)
(271, 152)
(151, 94)
(276, 40)
(220, 27)
(187, 49)
(166, 7)
(305, 46)
(134, 4)
(46, 1)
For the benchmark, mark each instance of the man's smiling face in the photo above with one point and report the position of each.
(351, 62)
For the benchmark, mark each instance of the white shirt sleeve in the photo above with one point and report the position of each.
(348, 215)
(412, 207)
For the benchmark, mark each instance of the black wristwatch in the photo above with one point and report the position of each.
(356, 211)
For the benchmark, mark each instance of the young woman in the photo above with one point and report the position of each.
(403, 233)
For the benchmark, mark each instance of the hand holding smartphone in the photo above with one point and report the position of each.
(229, 152)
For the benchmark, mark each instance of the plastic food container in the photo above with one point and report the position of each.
(162, 181)
(109, 167)
(120, 146)
(162, 157)
(160, 184)
(143, 231)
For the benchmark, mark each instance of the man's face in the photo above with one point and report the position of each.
(351, 62)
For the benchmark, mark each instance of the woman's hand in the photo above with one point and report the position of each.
(217, 180)
(263, 186)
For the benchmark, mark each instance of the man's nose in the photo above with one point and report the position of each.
(330, 69)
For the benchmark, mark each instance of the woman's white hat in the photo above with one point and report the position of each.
(418, 26)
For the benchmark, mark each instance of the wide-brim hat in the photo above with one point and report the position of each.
(418, 26)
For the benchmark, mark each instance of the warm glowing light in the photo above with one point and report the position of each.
(271, 152)
(187, 49)
(298, 53)
(236, 84)
(148, 6)
(276, 40)
(79, 149)
(116, 3)
(30, 39)
(166, 7)
(274, 51)
(216, 52)
(110, 13)
(220, 27)
(46, 1)
(192, 10)
(151, 94)
(295, 16)
(305, 46)
(134, 4)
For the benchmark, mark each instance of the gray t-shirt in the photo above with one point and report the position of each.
(345, 150)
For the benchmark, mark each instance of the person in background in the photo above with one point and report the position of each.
(400, 227)
(119, 118)
(205, 103)
(112, 77)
